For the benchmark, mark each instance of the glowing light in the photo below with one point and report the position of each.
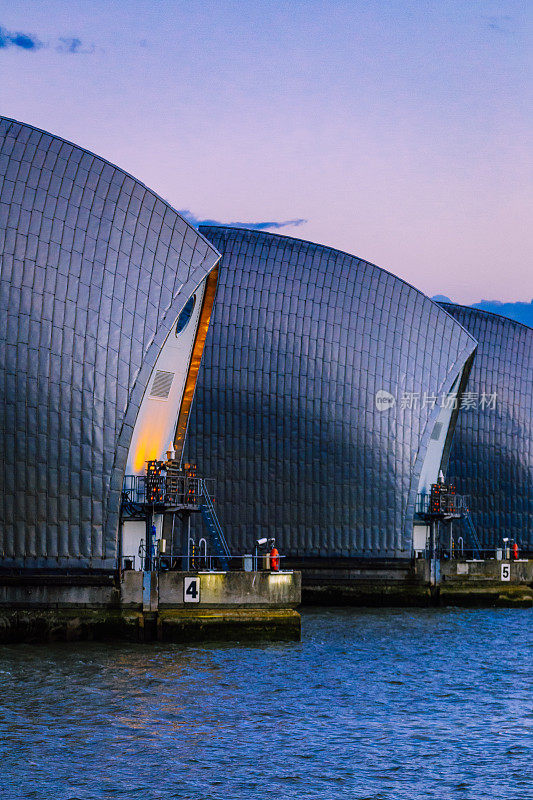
(146, 449)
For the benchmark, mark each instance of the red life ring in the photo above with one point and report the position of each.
(274, 560)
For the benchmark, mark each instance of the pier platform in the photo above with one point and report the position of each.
(146, 606)
(486, 583)
(410, 582)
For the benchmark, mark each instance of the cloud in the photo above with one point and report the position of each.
(71, 44)
(255, 226)
(519, 311)
(501, 23)
(25, 41)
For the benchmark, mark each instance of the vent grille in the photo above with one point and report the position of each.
(161, 385)
(437, 430)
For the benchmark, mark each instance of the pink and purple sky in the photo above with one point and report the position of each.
(397, 130)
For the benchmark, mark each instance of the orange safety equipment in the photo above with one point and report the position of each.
(274, 560)
(515, 551)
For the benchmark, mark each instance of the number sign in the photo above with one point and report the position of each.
(506, 572)
(191, 590)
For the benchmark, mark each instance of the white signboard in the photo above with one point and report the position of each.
(506, 572)
(191, 590)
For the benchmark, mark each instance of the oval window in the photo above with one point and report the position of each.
(186, 314)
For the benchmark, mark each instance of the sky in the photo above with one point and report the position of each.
(396, 130)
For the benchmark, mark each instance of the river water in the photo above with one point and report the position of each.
(373, 704)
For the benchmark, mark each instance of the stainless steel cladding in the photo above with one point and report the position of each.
(492, 451)
(304, 410)
(95, 269)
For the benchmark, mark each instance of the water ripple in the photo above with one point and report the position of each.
(372, 705)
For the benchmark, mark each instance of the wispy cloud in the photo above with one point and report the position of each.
(255, 226)
(501, 23)
(25, 41)
(71, 44)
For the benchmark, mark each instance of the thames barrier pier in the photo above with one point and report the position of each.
(106, 299)
(442, 571)
(462, 582)
(144, 606)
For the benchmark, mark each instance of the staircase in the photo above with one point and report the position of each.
(212, 523)
(476, 546)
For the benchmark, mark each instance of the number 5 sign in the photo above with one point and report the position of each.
(191, 590)
(506, 572)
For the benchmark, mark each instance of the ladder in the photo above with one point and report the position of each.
(214, 528)
(476, 546)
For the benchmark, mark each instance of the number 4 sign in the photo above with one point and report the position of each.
(191, 590)
(506, 572)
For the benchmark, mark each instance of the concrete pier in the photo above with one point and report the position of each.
(165, 606)
(410, 583)
(355, 583)
(485, 583)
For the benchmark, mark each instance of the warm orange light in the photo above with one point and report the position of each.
(196, 358)
(146, 450)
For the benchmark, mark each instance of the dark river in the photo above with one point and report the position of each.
(383, 705)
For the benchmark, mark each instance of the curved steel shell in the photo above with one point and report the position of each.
(285, 418)
(95, 269)
(492, 450)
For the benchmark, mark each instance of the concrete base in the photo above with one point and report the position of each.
(370, 584)
(233, 624)
(149, 606)
(409, 583)
(366, 594)
(479, 583)
(69, 624)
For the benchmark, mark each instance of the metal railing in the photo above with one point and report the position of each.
(460, 553)
(452, 504)
(214, 527)
(168, 489)
(192, 562)
(134, 488)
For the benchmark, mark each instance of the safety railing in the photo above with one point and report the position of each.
(452, 504)
(167, 489)
(192, 562)
(458, 553)
(134, 488)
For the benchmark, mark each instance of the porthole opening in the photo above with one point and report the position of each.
(186, 314)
